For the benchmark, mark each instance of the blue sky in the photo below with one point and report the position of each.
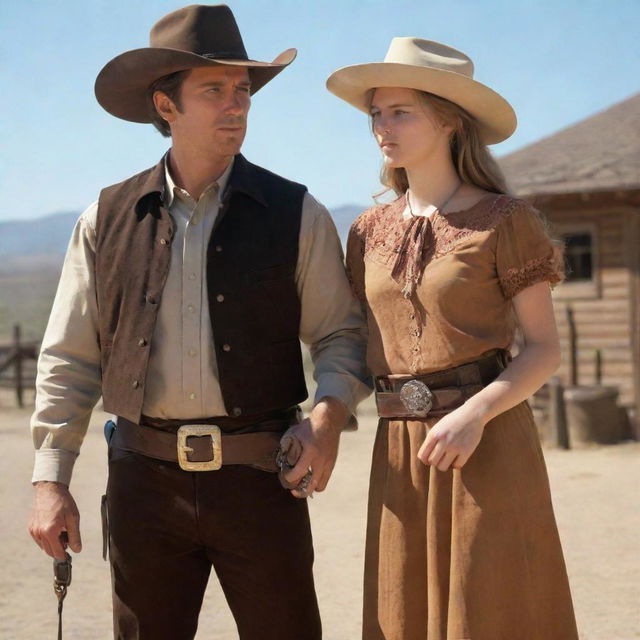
(557, 62)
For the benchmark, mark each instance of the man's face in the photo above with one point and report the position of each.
(214, 103)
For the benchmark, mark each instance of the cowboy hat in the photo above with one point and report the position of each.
(428, 66)
(194, 36)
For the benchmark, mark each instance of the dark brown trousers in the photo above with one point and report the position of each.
(169, 526)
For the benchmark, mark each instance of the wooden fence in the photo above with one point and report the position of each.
(18, 365)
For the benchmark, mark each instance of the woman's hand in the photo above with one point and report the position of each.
(453, 439)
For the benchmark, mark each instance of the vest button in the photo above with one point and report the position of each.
(220, 298)
(236, 411)
(142, 342)
(226, 347)
(151, 300)
(135, 384)
(218, 248)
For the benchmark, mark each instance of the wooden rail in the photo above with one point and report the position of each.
(13, 356)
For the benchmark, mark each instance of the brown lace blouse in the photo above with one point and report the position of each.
(437, 291)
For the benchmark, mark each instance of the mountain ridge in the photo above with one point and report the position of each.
(42, 242)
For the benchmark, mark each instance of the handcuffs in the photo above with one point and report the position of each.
(287, 458)
(61, 580)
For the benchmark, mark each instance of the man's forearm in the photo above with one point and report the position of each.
(68, 384)
(331, 412)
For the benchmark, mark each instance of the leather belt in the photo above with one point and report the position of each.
(438, 393)
(199, 447)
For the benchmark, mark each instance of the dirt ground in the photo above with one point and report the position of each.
(596, 493)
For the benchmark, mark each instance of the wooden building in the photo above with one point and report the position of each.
(586, 180)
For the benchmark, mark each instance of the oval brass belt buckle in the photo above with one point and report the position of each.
(416, 397)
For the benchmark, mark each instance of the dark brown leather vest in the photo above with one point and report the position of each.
(253, 300)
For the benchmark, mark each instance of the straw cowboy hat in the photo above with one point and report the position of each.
(429, 66)
(194, 36)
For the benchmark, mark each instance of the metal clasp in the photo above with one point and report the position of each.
(199, 431)
(417, 398)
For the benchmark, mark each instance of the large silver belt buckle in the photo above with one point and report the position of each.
(416, 397)
(199, 430)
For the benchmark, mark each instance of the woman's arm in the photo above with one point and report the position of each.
(455, 437)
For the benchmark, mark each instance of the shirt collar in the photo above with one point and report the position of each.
(171, 186)
(240, 176)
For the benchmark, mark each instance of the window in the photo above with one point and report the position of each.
(581, 261)
(578, 256)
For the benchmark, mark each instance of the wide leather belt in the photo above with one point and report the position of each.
(438, 393)
(199, 447)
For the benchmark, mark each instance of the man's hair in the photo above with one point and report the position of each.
(169, 85)
(471, 158)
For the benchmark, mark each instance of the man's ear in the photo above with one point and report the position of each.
(165, 107)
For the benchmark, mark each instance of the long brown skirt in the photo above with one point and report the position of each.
(464, 554)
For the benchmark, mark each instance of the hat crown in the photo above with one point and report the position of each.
(430, 54)
(205, 30)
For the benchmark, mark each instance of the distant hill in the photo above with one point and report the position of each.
(39, 236)
(42, 242)
(31, 255)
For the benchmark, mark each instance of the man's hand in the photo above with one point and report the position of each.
(319, 435)
(54, 512)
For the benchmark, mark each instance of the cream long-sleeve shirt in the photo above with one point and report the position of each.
(182, 380)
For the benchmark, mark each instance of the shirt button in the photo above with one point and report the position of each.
(236, 411)
(135, 384)
(163, 241)
(192, 352)
(151, 300)
(192, 276)
(191, 308)
(226, 347)
(192, 396)
(218, 248)
(142, 342)
(220, 297)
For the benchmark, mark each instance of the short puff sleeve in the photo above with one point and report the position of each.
(525, 252)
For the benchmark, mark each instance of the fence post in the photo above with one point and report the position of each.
(17, 365)
(558, 414)
(598, 375)
(573, 347)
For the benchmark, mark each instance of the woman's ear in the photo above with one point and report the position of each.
(447, 125)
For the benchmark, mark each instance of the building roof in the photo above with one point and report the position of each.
(600, 153)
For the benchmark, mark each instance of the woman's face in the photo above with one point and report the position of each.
(407, 129)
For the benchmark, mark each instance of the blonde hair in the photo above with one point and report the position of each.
(471, 158)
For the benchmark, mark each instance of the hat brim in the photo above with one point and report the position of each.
(495, 116)
(121, 87)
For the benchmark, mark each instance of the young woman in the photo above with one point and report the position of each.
(461, 540)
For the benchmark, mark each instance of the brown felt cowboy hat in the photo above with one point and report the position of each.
(429, 66)
(194, 36)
